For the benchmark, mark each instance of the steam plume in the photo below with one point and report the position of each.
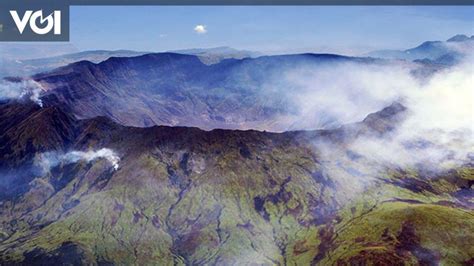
(29, 89)
(49, 160)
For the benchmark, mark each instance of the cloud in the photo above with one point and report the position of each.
(335, 94)
(200, 29)
(330, 95)
(48, 160)
(436, 134)
(28, 89)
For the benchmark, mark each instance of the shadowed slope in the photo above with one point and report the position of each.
(187, 196)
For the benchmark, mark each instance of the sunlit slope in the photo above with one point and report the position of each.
(187, 196)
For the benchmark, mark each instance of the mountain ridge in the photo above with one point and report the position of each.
(52, 128)
(168, 159)
(250, 185)
(175, 89)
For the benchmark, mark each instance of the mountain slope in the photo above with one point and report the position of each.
(14, 63)
(179, 90)
(187, 196)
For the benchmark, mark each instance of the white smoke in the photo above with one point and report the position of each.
(439, 129)
(48, 160)
(20, 90)
(435, 135)
(463, 48)
(332, 95)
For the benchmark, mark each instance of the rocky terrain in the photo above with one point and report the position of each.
(26, 61)
(307, 159)
(180, 90)
(186, 196)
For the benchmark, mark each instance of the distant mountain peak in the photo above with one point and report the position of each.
(428, 44)
(458, 38)
(431, 50)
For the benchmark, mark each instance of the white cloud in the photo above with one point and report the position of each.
(49, 160)
(436, 134)
(200, 29)
(25, 89)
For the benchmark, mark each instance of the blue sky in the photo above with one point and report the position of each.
(270, 29)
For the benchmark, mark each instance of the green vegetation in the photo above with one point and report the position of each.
(189, 197)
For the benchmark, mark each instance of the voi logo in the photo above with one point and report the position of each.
(53, 21)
